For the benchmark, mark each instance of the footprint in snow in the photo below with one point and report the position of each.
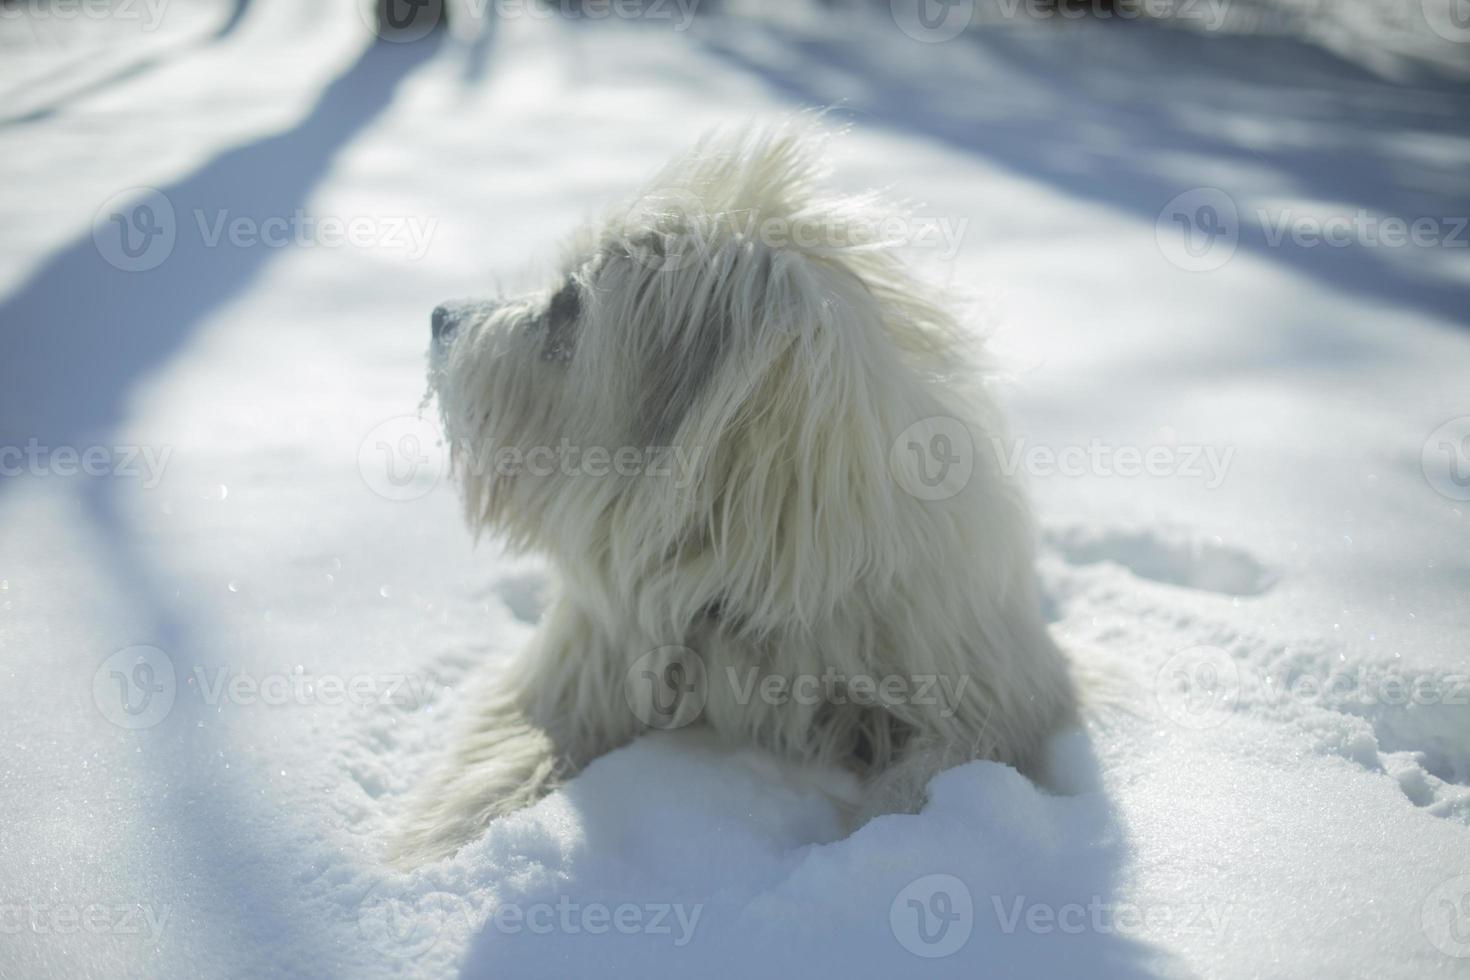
(1172, 557)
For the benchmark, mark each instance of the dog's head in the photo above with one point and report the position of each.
(710, 390)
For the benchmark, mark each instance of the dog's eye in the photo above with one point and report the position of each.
(561, 319)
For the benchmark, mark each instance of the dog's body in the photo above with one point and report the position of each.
(806, 387)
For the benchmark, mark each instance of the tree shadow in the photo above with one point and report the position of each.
(477, 50)
(127, 73)
(1156, 113)
(74, 340)
(78, 334)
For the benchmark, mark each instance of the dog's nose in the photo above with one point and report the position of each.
(442, 321)
(448, 317)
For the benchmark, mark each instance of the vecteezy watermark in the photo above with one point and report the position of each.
(404, 458)
(933, 21)
(679, 13)
(93, 918)
(1019, 913)
(137, 688)
(935, 458)
(667, 688)
(671, 228)
(403, 925)
(1362, 687)
(1207, 15)
(411, 20)
(402, 20)
(1200, 229)
(137, 229)
(1450, 19)
(147, 13)
(670, 687)
(676, 463)
(1446, 459)
(1199, 688)
(144, 463)
(833, 686)
(223, 685)
(1445, 916)
(1361, 228)
(1097, 458)
(933, 916)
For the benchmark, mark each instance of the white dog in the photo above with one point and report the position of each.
(745, 437)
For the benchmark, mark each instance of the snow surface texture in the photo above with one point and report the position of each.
(1285, 587)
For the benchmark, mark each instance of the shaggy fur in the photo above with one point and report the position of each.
(783, 371)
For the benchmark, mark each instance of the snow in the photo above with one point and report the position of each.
(1276, 797)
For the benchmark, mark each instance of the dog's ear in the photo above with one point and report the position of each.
(692, 325)
(780, 352)
(781, 405)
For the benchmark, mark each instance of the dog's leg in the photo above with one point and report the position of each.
(531, 727)
(902, 786)
(931, 746)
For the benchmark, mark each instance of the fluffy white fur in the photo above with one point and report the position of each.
(785, 372)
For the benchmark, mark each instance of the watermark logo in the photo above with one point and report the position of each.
(1361, 228)
(1207, 463)
(1445, 916)
(932, 21)
(1450, 19)
(669, 228)
(1208, 15)
(401, 20)
(47, 18)
(403, 928)
(224, 685)
(403, 458)
(1446, 459)
(138, 229)
(135, 230)
(1107, 918)
(410, 235)
(933, 916)
(1363, 687)
(145, 463)
(135, 687)
(681, 12)
(94, 918)
(944, 692)
(411, 20)
(670, 687)
(667, 688)
(1198, 231)
(675, 463)
(934, 458)
(1198, 688)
